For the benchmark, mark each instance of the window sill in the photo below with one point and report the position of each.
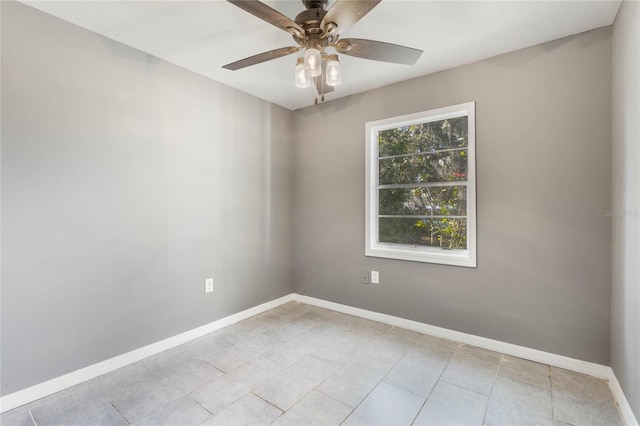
(426, 255)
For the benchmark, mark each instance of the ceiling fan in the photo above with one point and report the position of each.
(316, 29)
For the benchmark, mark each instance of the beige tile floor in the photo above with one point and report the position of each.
(302, 365)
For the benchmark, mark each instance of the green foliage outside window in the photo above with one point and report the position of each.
(422, 184)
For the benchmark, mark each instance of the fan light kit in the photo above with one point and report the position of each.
(316, 29)
(310, 65)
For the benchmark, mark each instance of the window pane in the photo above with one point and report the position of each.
(446, 233)
(435, 200)
(440, 167)
(427, 137)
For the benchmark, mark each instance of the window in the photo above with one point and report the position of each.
(420, 187)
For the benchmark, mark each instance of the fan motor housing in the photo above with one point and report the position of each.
(310, 20)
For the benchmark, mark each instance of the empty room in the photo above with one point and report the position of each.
(342, 212)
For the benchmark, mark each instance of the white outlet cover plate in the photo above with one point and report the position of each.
(375, 277)
(208, 285)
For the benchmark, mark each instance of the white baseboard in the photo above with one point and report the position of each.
(592, 369)
(49, 387)
(52, 386)
(560, 361)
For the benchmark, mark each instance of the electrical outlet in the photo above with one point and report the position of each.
(375, 277)
(364, 277)
(208, 285)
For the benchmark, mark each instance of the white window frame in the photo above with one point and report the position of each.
(416, 253)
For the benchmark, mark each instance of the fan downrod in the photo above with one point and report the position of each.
(315, 4)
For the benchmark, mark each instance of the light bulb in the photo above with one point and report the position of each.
(312, 62)
(302, 81)
(334, 71)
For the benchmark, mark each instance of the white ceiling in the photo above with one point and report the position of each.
(201, 36)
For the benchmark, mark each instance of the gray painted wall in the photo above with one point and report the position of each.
(126, 181)
(625, 294)
(544, 180)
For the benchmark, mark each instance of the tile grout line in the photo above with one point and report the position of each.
(200, 405)
(119, 413)
(553, 411)
(32, 419)
(329, 396)
(368, 393)
(270, 403)
(486, 410)
(365, 397)
(437, 381)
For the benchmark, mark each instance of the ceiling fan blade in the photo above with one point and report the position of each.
(261, 57)
(266, 13)
(345, 13)
(378, 51)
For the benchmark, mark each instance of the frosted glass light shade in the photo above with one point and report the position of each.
(334, 71)
(302, 81)
(312, 62)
